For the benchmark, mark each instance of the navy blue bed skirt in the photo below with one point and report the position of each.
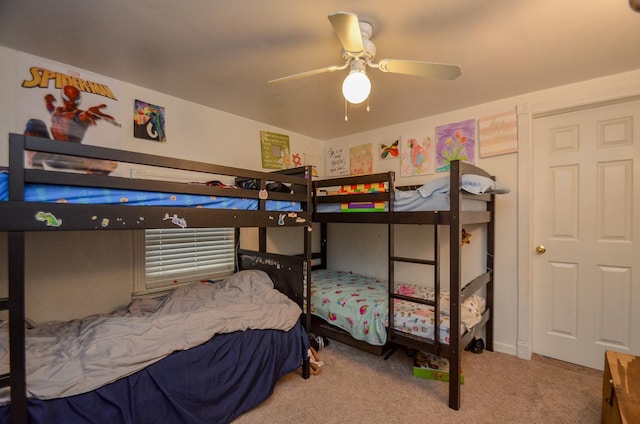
(212, 383)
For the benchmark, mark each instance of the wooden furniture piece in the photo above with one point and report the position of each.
(19, 216)
(621, 388)
(454, 215)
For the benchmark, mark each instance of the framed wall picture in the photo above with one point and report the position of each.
(361, 159)
(416, 156)
(389, 150)
(275, 150)
(498, 134)
(455, 141)
(337, 161)
(149, 121)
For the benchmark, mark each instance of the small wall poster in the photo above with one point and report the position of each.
(498, 134)
(337, 161)
(390, 151)
(66, 103)
(416, 156)
(361, 159)
(148, 121)
(275, 150)
(455, 141)
(58, 102)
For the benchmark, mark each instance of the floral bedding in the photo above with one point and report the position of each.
(358, 304)
(353, 302)
(418, 319)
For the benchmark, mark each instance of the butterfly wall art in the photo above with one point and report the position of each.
(391, 151)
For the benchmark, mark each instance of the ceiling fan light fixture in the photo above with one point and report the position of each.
(358, 53)
(356, 87)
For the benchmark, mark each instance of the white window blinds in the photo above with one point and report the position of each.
(174, 256)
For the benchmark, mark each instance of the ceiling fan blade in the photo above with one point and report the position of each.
(347, 29)
(307, 74)
(420, 69)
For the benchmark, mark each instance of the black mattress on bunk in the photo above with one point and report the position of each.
(214, 382)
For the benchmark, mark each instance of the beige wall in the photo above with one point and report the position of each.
(76, 274)
(206, 134)
(512, 224)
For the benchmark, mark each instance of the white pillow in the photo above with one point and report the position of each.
(440, 185)
(477, 184)
(474, 184)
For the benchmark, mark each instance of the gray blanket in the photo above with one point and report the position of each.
(78, 356)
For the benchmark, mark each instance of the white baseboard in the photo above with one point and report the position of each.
(524, 350)
(504, 348)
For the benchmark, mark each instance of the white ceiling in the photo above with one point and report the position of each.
(222, 53)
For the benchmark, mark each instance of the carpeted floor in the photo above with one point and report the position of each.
(357, 387)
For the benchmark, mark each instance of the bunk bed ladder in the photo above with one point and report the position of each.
(401, 337)
(398, 337)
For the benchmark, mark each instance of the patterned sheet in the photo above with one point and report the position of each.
(90, 195)
(358, 304)
(417, 319)
(355, 303)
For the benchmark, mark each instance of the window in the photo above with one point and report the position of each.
(164, 258)
(175, 256)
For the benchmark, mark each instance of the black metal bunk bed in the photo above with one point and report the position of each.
(455, 217)
(17, 217)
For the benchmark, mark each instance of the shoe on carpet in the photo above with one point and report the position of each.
(318, 342)
(475, 346)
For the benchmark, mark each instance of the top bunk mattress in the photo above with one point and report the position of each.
(432, 196)
(405, 201)
(109, 196)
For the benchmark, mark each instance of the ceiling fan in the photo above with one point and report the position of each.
(359, 52)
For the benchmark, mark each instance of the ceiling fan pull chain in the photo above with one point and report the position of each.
(346, 111)
(368, 108)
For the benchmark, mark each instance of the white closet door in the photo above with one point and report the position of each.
(586, 217)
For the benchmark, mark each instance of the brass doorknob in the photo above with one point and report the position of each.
(540, 249)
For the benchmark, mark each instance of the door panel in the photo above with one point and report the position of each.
(586, 185)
